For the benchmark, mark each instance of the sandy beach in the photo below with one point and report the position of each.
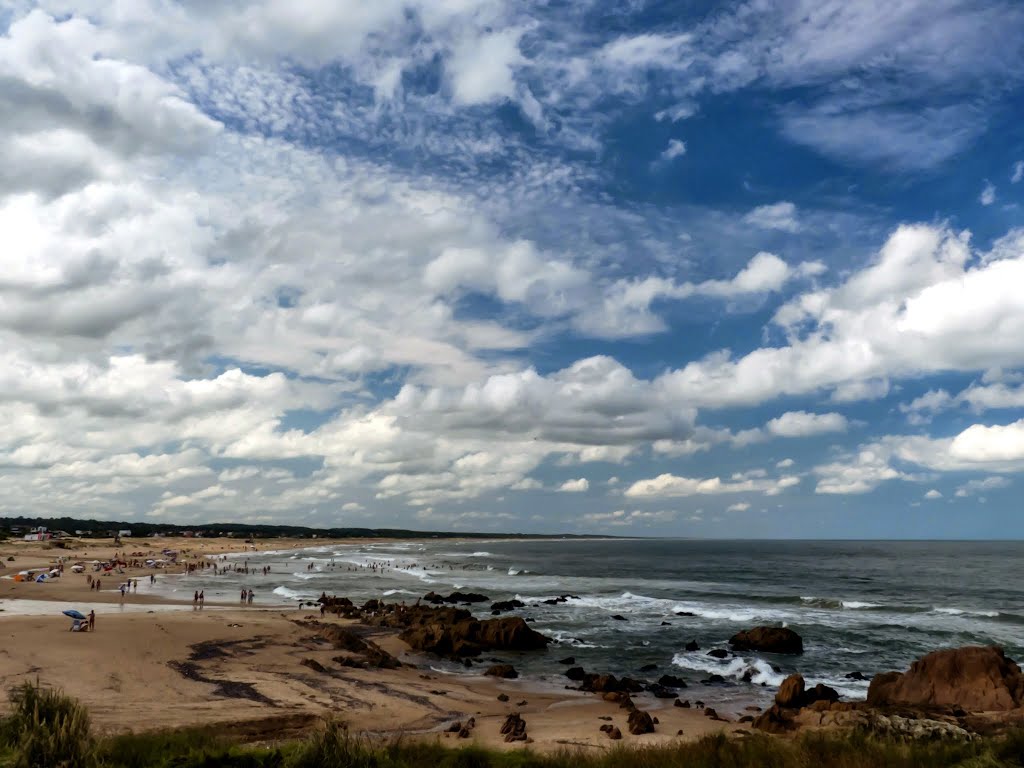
(155, 664)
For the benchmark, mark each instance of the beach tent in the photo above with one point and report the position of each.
(78, 568)
(42, 577)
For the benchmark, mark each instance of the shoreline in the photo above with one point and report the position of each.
(155, 663)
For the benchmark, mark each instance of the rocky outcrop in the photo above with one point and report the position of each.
(455, 597)
(973, 678)
(506, 605)
(768, 640)
(791, 692)
(465, 636)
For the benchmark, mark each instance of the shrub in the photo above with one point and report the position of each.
(48, 730)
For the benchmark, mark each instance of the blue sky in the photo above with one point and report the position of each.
(655, 268)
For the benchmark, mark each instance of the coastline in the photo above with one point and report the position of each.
(160, 664)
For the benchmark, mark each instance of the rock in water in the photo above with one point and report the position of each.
(768, 640)
(640, 722)
(614, 734)
(506, 671)
(976, 678)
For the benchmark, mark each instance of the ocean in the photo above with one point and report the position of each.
(861, 607)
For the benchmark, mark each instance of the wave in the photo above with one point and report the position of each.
(965, 612)
(289, 594)
(390, 592)
(758, 670)
(518, 571)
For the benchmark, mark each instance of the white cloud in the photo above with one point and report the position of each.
(669, 485)
(578, 485)
(988, 194)
(675, 148)
(785, 463)
(1018, 172)
(804, 424)
(781, 216)
(352, 506)
(932, 495)
(622, 517)
(482, 68)
(739, 506)
(974, 487)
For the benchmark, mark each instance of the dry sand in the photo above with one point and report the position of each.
(151, 666)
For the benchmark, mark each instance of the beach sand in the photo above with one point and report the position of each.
(154, 665)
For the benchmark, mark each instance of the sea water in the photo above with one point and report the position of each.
(861, 607)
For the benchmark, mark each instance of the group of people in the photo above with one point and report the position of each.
(199, 598)
(247, 596)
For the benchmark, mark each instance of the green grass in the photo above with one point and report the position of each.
(47, 729)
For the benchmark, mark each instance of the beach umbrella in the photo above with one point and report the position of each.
(73, 614)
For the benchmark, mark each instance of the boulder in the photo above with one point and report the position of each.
(614, 733)
(576, 673)
(514, 728)
(648, 667)
(692, 646)
(671, 681)
(975, 678)
(775, 719)
(820, 692)
(718, 653)
(660, 691)
(768, 640)
(619, 617)
(570, 660)
(791, 692)
(683, 704)
(313, 664)
(506, 671)
(640, 722)
(502, 697)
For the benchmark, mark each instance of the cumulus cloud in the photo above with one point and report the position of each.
(933, 495)
(578, 485)
(804, 424)
(739, 506)
(1018, 172)
(668, 485)
(781, 216)
(974, 487)
(675, 148)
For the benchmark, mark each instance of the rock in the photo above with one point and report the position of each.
(820, 692)
(570, 660)
(606, 727)
(313, 664)
(614, 733)
(682, 704)
(454, 727)
(975, 678)
(671, 681)
(464, 732)
(915, 729)
(855, 676)
(576, 673)
(656, 721)
(661, 692)
(502, 697)
(640, 722)
(713, 680)
(349, 661)
(631, 685)
(719, 653)
(692, 646)
(507, 605)
(458, 634)
(522, 703)
(615, 697)
(601, 683)
(619, 617)
(791, 692)
(775, 719)
(506, 671)
(665, 624)
(768, 640)
(699, 704)
(747, 719)
(648, 667)
(711, 713)
(514, 728)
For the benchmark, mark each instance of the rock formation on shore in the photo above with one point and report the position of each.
(973, 678)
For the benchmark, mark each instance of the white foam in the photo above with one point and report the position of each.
(855, 605)
(760, 671)
(285, 592)
(965, 612)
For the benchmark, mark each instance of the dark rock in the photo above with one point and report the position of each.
(791, 692)
(614, 733)
(640, 722)
(576, 673)
(568, 660)
(514, 728)
(665, 624)
(466, 636)
(619, 617)
(671, 681)
(692, 646)
(683, 704)
(648, 667)
(747, 719)
(719, 653)
(820, 692)
(768, 640)
(713, 680)
(631, 685)
(661, 692)
(506, 671)
(507, 605)
(775, 719)
(503, 697)
(855, 676)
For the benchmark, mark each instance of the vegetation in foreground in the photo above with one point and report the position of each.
(47, 729)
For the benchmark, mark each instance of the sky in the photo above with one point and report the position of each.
(738, 269)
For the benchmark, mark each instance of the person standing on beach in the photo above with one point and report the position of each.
(92, 621)
(202, 598)
(251, 595)
(195, 598)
